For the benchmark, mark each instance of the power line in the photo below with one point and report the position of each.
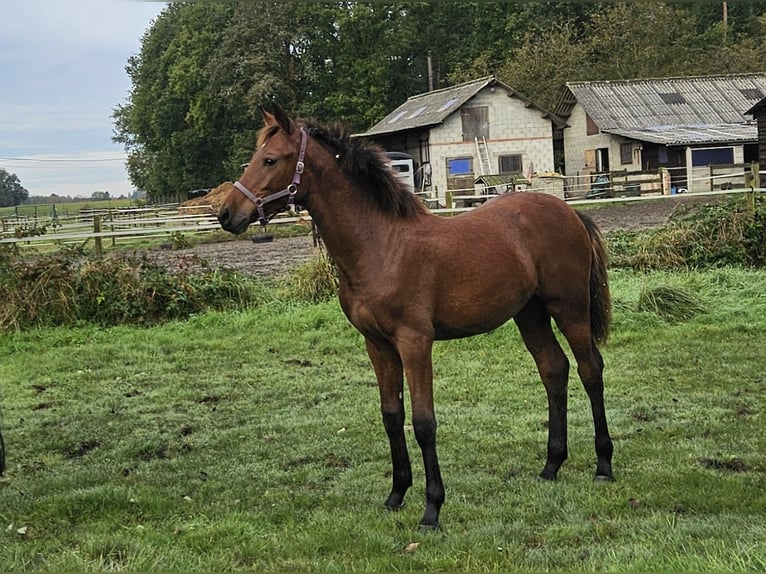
(59, 160)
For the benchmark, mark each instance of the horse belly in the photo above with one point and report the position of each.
(486, 303)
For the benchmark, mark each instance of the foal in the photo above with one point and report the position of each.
(408, 278)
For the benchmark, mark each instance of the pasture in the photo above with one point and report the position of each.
(252, 440)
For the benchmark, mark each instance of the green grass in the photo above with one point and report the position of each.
(252, 441)
(65, 208)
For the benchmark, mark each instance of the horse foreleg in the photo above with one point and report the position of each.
(389, 373)
(416, 356)
(534, 324)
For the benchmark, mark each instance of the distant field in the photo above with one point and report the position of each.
(64, 208)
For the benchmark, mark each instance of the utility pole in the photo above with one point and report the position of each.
(430, 73)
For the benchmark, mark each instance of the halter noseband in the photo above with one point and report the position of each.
(290, 191)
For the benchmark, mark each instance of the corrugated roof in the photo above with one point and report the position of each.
(672, 111)
(757, 108)
(432, 108)
(688, 135)
(497, 179)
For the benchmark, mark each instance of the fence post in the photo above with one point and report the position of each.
(97, 229)
(755, 174)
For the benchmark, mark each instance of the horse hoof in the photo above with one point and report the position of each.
(425, 528)
(603, 478)
(394, 502)
(263, 238)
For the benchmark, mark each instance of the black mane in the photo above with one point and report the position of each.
(365, 164)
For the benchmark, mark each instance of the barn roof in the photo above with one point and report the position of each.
(432, 108)
(671, 111)
(757, 108)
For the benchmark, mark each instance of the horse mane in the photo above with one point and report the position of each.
(365, 164)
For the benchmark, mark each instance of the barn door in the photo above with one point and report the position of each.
(475, 123)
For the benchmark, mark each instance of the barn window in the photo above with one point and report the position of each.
(672, 98)
(457, 166)
(626, 153)
(712, 156)
(460, 173)
(475, 123)
(510, 163)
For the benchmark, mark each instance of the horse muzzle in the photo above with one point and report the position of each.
(234, 221)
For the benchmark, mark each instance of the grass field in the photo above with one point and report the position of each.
(65, 208)
(253, 441)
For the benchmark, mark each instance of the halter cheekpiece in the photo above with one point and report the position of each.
(290, 191)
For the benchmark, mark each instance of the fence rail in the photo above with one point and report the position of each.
(164, 222)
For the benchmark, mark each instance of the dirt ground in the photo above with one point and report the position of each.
(270, 259)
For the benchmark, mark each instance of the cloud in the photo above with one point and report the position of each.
(78, 25)
(64, 73)
(71, 174)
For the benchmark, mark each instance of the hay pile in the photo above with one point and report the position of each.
(209, 203)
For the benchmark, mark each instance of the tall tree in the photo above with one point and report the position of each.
(11, 190)
(168, 124)
(205, 68)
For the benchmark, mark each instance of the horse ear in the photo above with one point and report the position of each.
(281, 118)
(268, 118)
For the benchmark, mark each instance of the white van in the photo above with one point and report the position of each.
(404, 167)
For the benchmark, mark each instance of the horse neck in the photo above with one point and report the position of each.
(348, 224)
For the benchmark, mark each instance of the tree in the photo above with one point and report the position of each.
(11, 190)
(548, 56)
(206, 68)
(168, 126)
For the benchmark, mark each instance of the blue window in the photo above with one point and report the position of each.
(459, 166)
(712, 156)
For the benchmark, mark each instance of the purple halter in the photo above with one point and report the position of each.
(290, 191)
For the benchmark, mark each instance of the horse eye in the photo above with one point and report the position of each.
(269, 161)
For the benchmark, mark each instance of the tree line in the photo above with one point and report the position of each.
(205, 68)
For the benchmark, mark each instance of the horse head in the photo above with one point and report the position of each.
(270, 182)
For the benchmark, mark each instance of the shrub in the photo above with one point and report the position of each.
(314, 281)
(69, 286)
(729, 232)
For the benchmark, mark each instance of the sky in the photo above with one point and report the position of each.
(62, 73)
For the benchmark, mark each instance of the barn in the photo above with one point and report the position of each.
(682, 124)
(758, 111)
(459, 134)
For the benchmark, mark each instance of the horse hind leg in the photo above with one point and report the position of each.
(534, 324)
(590, 368)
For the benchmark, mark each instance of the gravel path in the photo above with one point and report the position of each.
(284, 254)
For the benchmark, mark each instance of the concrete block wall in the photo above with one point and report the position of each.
(513, 129)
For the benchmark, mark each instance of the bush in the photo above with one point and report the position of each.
(314, 281)
(730, 232)
(69, 286)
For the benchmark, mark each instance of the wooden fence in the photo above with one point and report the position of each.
(165, 221)
(115, 224)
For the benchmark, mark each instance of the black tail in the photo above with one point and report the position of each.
(600, 299)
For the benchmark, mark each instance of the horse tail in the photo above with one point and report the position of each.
(600, 299)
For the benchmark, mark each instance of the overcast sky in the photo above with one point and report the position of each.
(62, 72)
